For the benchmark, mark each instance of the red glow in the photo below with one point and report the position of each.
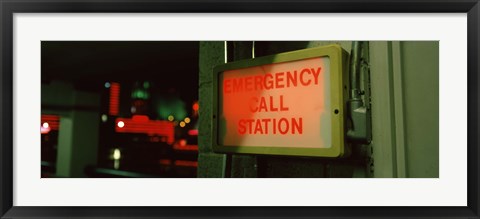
(182, 142)
(185, 147)
(53, 123)
(114, 99)
(186, 163)
(44, 130)
(193, 132)
(140, 118)
(195, 108)
(165, 162)
(155, 139)
(150, 127)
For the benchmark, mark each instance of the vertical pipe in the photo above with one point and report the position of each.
(253, 49)
(354, 71)
(225, 46)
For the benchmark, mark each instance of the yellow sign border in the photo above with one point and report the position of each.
(338, 91)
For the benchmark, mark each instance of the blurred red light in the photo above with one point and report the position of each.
(53, 122)
(185, 147)
(186, 163)
(140, 118)
(193, 132)
(44, 130)
(165, 162)
(114, 99)
(182, 142)
(150, 127)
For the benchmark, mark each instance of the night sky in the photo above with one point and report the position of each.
(171, 66)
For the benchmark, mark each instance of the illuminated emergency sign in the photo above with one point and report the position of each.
(286, 104)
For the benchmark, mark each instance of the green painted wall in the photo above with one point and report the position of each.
(420, 67)
(405, 110)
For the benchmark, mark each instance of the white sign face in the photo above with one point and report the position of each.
(281, 104)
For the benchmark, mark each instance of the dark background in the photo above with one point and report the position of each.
(171, 70)
(169, 65)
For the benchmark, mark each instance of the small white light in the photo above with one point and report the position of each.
(107, 85)
(45, 125)
(116, 154)
(104, 118)
(121, 124)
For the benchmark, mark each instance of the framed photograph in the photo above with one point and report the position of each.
(230, 109)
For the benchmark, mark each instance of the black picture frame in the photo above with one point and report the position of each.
(9, 7)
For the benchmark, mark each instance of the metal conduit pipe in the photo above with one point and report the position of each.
(360, 130)
(355, 71)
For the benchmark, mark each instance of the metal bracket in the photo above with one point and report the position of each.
(360, 129)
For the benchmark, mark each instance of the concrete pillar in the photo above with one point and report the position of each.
(64, 149)
(209, 164)
(84, 147)
(79, 124)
